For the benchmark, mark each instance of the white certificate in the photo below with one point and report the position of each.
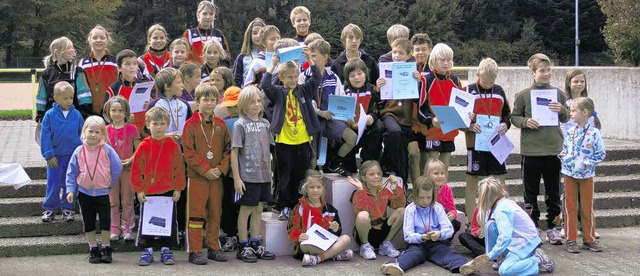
(362, 123)
(488, 125)
(405, 86)
(386, 91)
(320, 238)
(464, 103)
(540, 111)
(156, 216)
(500, 146)
(140, 94)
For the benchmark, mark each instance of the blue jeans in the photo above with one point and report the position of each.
(436, 252)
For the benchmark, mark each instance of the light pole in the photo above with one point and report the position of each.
(577, 42)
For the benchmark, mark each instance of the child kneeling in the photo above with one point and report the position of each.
(313, 209)
(426, 228)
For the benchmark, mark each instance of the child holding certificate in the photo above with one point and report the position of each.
(492, 106)
(157, 169)
(127, 79)
(313, 209)
(335, 130)
(540, 145)
(397, 117)
(439, 84)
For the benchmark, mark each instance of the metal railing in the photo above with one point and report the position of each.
(34, 79)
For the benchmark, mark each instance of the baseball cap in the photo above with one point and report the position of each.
(230, 97)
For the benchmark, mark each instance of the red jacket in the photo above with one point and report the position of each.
(195, 146)
(444, 196)
(322, 216)
(376, 205)
(160, 160)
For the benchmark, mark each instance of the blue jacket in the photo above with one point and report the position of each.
(434, 216)
(304, 93)
(74, 169)
(516, 231)
(60, 136)
(582, 149)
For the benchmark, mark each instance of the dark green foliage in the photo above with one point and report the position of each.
(508, 30)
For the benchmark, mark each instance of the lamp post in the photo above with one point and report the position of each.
(577, 42)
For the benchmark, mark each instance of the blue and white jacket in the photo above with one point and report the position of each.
(60, 135)
(582, 149)
(433, 215)
(516, 231)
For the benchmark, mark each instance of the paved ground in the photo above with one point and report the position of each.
(621, 257)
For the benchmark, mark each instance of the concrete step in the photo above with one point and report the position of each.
(23, 207)
(617, 183)
(606, 168)
(54, 245)
(602, 201)
(36, 188)
(34, 227)
(613, 154)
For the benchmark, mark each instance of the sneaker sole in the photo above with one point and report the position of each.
(474, 266)
(391, 270)
(248, 260)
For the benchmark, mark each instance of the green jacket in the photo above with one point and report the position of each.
(546, 140)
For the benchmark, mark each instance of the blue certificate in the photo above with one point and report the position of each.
(448, 118)
(405, 86)
(342, 107)
(322, 152)
(268, 56)
(290, 53)
(488, 125)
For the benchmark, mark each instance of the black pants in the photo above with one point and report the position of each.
(474, 244)
(90, 206)
(547, 167)
(293, 163)
(229, 219)
(159, 241)
(396, 154)
(369, 146)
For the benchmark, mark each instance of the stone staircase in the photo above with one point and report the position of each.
(617, 204)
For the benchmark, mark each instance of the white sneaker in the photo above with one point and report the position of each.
(128, 236)
(475, 265)
(597, 235)
(67, 215)
(553, 236)
(497, 263)
(366, 251)
(392, 268)
(114, 237)
(562, 233)
(544, 261)
(388, 249)
(310, 260)
(344, 255)
(48, 216)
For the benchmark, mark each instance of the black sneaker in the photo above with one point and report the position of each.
(338, 167)
(246, 253)
(216, 255)
(197, 258)
(106, 254)
(262, 252)
(95, 256)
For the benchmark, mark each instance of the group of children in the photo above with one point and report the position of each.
(270, 129)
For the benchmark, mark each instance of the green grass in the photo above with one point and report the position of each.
(16, 114)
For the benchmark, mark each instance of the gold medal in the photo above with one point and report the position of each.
(295, 131)
(152, 180)
(97, 89)
(209, 155)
